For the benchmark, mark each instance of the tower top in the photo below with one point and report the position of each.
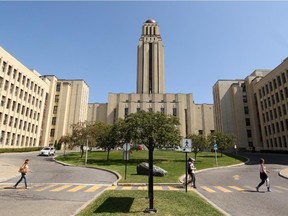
(150, 21)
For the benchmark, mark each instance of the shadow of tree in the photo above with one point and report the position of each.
(115, 205)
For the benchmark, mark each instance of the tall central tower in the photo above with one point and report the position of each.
(150, 60)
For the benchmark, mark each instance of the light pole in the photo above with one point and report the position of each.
(215, 149)
(86, 151)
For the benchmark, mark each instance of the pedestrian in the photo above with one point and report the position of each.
(191, 172)
(263, 176)
(23, 170)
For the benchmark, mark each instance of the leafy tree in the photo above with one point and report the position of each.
(79, 135)
(199, 143)
(224, 141)
(151, 129)
(114, 136)
(67, 139)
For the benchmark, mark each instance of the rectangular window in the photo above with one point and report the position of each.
(52, 133)
(58, 87)
(126, 110)
(162, 110)
(55, 109)
(174, 112)
(54, 121)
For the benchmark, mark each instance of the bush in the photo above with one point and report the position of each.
(27, 149)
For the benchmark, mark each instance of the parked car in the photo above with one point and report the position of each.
(48, 151)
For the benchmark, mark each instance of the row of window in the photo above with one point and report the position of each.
(18, 123)
(276, 127)
(20, 93)
(274, 84)
(162, 110)
(275, 142)
(30, 113)
(13, 139)
(274, 98)
(20, 78)
(13, 104)
(275, 113)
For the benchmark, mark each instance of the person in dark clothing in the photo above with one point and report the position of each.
(263, 176)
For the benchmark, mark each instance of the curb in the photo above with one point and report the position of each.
(283, 173)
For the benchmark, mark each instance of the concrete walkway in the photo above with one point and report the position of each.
(8, 171)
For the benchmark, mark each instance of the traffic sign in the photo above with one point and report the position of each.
(186, 145)
(215, 147)
(126, 147)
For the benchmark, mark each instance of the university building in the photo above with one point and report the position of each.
(150, 91)
(254, 109)
(37, 110)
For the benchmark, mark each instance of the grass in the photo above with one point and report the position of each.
(167, 203)
(171, 161)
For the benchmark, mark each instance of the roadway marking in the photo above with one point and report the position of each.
(236, 177)
(92, 189)
(283, 188)
(236, 188)
(223, 189)
(45, 188)
(61, 188)
(208, 189)
(79, 187)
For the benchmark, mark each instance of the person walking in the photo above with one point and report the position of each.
(23, 170)
(263, 176)
(191, 172)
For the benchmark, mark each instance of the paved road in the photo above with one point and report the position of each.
(233, 189)
(47, 175)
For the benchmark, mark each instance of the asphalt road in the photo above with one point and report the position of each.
(233, 189)
(54, 189)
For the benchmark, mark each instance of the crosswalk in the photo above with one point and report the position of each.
(90, 188)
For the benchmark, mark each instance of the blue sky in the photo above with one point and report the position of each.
(97, 41)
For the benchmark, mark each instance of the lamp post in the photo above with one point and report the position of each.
(86, 155)
(215, 149)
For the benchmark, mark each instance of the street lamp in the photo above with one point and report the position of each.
(86, 155)
(215, 149)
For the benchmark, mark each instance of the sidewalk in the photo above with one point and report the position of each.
(284, 173)
(8, 171)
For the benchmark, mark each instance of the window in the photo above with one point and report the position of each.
(58, 87)
(9, 70)
(138, 109)
(55, 109)
(249, 134)
(174, 111)
(19, 77)
(246, 111)
(4, 65)
(6, 85)
(52, 132)
(126, 110)
(54, 121)
(247, 121)
(56, 98)
(3, 99)
(162, 110)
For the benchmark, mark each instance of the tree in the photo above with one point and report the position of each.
(67, 139)
(151, 129)
(79, 135)
(199, 143)
(224, 141)
(114, 137)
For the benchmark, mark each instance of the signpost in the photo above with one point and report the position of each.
(126, 155)
(186, 147)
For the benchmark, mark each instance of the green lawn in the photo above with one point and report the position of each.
(167, 203)
(173, 162)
